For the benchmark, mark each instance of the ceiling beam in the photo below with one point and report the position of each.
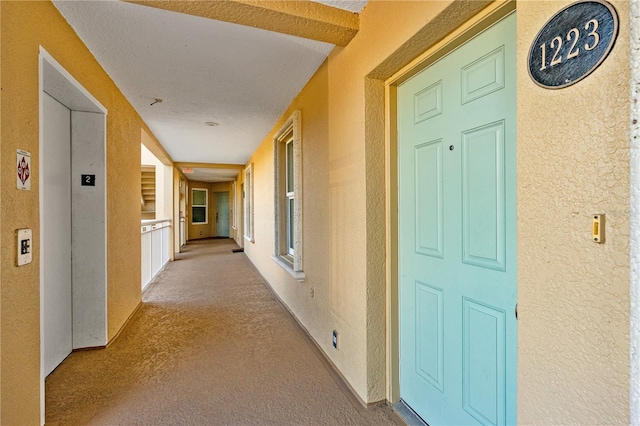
(300, 18)
(209, 166)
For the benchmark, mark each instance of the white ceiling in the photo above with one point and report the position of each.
(240, 77)
(212, 175)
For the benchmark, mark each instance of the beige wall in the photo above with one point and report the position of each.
(219, 187)
(343, 205)
(25, 27)
(196, 232)
(207, 230)
(572, 162)
(238, 233)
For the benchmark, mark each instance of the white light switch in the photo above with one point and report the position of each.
(24, 246)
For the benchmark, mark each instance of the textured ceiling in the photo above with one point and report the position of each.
(212, 175)
(240, 77)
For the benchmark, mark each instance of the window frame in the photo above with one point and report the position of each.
(234, 208)
(248, 203)
(288, 197)
(205, 205)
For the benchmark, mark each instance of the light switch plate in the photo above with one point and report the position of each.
(597, 231)
(24, 246)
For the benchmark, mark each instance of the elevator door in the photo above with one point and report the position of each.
(56, 248)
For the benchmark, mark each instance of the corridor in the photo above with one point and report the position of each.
(210, 344)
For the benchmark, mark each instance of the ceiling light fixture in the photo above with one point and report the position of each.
(211, 123)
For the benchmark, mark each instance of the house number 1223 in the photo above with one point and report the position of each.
(572, 37)
(573, 43)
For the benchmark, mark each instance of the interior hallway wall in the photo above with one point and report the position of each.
(164, 176)
(2, 249)
(573, 161)
(219, 187)
(25, 27)
(335, 218)
(197, 231)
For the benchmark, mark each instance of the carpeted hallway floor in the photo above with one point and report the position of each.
(209, 345)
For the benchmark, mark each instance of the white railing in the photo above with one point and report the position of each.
(156, 242)
(183, 232)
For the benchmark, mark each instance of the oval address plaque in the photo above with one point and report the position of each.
(573, 43)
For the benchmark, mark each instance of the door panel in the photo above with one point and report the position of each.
(483, 196)
(428, 178)
(457, 233)
(484, 362)
(430, 329)
(56, 248)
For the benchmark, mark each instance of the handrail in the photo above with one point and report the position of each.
(152, 225)
(156, 244)
(153, 221)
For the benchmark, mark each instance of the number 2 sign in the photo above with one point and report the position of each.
(573, 43)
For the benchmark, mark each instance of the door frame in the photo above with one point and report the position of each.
(64, 85)
(458, 36)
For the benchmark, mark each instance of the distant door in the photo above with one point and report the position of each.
(56, 249)
(457, 234)
(222, 214)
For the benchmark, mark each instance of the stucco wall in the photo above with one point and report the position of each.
(634, 38)
(26, 26)
(573, 161)
(342, 213)
(198, 231)
(219, 187)
(209, 229)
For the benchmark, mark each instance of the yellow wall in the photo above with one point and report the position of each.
(209, 229)
(238, 233)
(201, 230)
(339, 219)
(26, 26)
(3, 253)
(572, 162)
(219, 187)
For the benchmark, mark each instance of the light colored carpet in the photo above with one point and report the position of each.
(209, 345)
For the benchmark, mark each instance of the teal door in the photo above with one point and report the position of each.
(457, 234)
(222, 214)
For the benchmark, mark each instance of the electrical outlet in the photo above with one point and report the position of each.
(312, 293)
(335, 339)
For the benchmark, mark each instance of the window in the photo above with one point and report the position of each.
(288, 197)
(199, 206)
(248, 203)
(234, 206)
